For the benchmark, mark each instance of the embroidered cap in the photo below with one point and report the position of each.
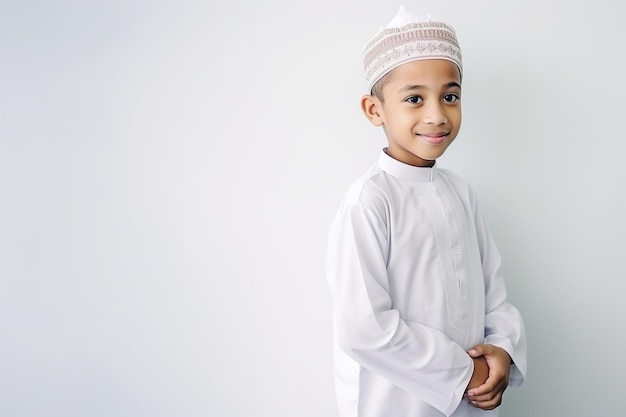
(409, 38)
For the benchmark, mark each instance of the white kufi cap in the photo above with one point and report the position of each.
(409, 38)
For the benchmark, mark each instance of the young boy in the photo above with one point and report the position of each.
(422, 325)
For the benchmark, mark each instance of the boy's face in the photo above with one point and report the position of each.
(421, 110)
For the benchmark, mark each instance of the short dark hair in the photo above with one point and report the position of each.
(377, 89)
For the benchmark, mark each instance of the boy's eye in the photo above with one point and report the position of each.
(414, 99)
(451, 98)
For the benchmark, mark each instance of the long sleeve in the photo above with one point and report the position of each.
(504, 326)
(417, 358)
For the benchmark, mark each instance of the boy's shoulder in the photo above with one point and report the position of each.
(366, 188)
(456, 181)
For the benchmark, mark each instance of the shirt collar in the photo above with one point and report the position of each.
(404, 171)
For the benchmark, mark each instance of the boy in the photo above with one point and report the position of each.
(422, 325)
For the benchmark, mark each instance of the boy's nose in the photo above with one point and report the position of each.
(434, 114)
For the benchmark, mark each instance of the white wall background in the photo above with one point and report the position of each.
(169, 171)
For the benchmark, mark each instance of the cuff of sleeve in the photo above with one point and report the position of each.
(459, 392)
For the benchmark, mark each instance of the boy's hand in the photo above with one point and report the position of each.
(489, 395)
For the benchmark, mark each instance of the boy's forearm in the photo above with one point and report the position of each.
(481, 373)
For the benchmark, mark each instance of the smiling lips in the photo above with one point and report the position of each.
(436, 138)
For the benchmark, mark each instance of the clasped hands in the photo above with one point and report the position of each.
(490, 378)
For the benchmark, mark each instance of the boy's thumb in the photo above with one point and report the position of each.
(474, 352)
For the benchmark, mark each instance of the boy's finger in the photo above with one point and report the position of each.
(487, 402)
(480, 390)
(478, 350)
(482, 398)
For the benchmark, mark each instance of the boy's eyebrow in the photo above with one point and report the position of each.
(410, 88)
(420, 87)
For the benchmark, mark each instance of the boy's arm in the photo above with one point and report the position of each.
(504, 326)
(417, 358)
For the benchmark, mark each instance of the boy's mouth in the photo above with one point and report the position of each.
(436, 138)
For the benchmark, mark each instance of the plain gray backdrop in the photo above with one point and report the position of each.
(169, 171)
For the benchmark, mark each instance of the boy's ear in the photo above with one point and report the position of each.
(373, 109)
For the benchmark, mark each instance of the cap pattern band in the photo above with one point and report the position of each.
(392, 47)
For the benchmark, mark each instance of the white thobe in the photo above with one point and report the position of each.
(416, 282)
